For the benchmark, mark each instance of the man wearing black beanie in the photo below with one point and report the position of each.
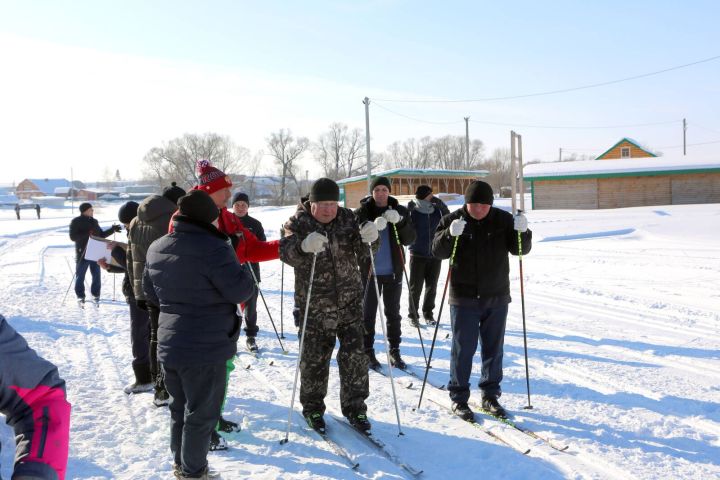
(81, 227)
(241, 206)
(389, 264)
(479, 291)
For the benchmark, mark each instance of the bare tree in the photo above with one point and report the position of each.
(286, 149)
(446, 152)
(498, 166)
(176, 160)
(339, 151)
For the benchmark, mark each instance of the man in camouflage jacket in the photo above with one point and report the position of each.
(321, 228)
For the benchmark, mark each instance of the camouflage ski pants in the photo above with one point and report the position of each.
(352, 363)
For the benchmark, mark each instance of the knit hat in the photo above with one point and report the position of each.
(240, 197)
(173, 192)
(199, 206)
(84, 206)
(380, 181)
(423, 191)
(210, 179)
(479, 192)
(128, 211)
(324, 190)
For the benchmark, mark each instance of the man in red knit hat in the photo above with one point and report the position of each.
(247, 248)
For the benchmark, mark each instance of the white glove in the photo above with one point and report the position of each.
(381, 223)
(368, 232)
(521, 223)
(457, 226)
(392, 216)
(314, 243)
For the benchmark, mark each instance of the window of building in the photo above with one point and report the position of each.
(625, 152)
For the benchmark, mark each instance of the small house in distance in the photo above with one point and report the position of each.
(627, 182)
(625, 148)
(404, 182)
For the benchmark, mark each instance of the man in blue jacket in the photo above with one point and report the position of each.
(425, 212)
(194, 276)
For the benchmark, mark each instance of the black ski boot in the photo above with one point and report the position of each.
(359, 421)
(493, 407)
(429, 319)
(395, 359)
(372, 361)
(462, 410)
(217, 442)
(316, 422)
(143, 380)
(251, 345)
(414, 322)
(227, 426)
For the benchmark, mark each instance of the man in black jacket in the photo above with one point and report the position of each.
(425, 213)
(194, 276)
(388, 268)
(81, 227)
(240, 206)
(479, 291)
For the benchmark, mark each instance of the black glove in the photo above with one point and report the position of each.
(142, 304)
(116, 228)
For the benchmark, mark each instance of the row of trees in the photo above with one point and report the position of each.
(340, 152)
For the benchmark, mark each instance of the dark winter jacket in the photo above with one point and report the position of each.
(81, 227)
(151, 223)
(194, 276)
(32, 398)
(336, 284)
(368, 211)
(254, 225)
(481, 269)
(425, 225)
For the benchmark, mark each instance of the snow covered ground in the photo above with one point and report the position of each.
(623, 318)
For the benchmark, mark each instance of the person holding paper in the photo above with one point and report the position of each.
(81, 227)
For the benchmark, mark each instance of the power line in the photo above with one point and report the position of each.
(520, 125)
(554, 92)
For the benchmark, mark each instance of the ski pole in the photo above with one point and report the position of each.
(387, 348)
(437, 324)
(282, 285)
(257, 285)
(302, 344)
(407, 283)
(522, 302)
(113, 275)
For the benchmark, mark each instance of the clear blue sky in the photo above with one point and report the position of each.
(130, 75)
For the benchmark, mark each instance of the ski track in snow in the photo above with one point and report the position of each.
(623, 359)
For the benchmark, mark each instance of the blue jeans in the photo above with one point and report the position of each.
(468, 325)
(80, 270)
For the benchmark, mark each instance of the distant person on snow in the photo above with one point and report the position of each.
(479, 291)
(151, 223)
(194, 274)
(425, 212)
(81, 227)
(241, 205)
(139, 318)
(32, 398)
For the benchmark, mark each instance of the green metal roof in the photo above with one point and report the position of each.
(417, 172)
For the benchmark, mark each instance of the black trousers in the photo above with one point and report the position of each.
(155, 371)
(390, 290)
(426, 271)
(196, 396)
(250, 314)
(139, 335)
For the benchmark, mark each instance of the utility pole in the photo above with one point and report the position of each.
(560, 156)
(513, 173)
(467, 143)
(367, 139)
(521, 181)
(684, 136)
